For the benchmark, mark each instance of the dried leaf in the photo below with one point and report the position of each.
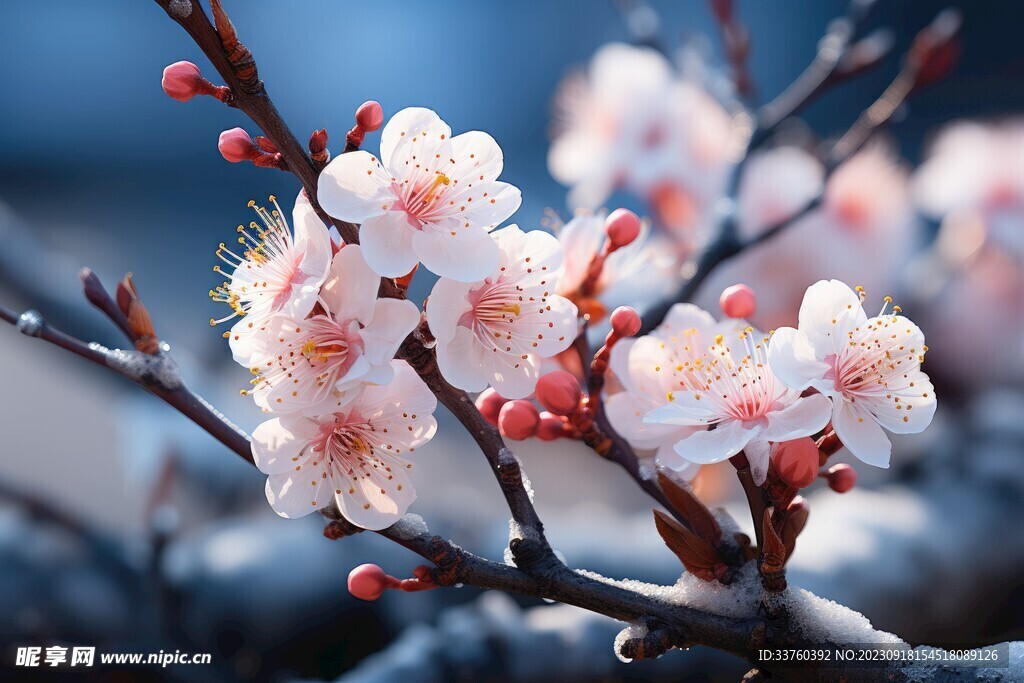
(691, 508)
(698, 556)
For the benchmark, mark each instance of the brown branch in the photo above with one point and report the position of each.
(820, 74)
(236, 65)
(158, 374)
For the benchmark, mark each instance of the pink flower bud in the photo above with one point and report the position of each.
(622, 227)
(550, 427)
(235, 145)
(559, 392)
(518, 420)
(369, 116)
(841, 477)
(796, 461)
(738, 301)
(367, 582)
(489, 403)
(182, 81)
(625, 321)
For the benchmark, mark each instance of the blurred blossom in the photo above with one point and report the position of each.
(864, 232)
(640, 272)
(632, 123)
(973, 182)
(775, 185)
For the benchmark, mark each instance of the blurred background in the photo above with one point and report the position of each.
(124, 526)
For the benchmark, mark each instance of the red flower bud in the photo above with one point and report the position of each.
(559, 392)
(182, 81)
(550, 427)
(489, 403)
(368, 582)
(738, 301)
(796, 461)
(625, 321)
(235, 145)
(841, 477)
(369, 116)
(622, 227)
(518, 420)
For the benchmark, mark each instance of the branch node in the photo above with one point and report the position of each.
(241, 59)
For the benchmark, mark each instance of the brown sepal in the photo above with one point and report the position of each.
(773, 556)
(793, 524)
(139, 323)
(698, 556)
(692, 509)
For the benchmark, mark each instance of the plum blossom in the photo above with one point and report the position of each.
(496, 331)
(638, 272)
(869, 367)
(973, 181)
(354, 456)
(349, 342)
(734, 391)
(429, 197)
(278, 271)
(865, 227)
(631, 122)
(650, 369)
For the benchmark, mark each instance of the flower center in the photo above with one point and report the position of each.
(419, 199)
(496, 307)
(875, 355)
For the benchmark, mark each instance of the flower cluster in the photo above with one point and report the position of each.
(321, 344)
(700, 391)
(321, 347)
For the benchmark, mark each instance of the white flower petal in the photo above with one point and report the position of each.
(793, 360)
(619, 363)
(758, 453)
(907, 410)
(364, 504)
(276, 442)
(687, 409)
(516, 380)
(683, 318)
(446, 305)
(626, 413)
(478, 158)
(803, 417)
(714, 445)
(297, 494)
(829, 311)
(491, 205)
(861, 434)
(391, 322)
(412, 132)
(354, 187)
(461, 361)
(466, 254)
(580, 238)
(352, 285)
(387, 244)
(666, 456)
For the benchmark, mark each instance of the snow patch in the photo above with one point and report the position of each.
(823, 620)
(159, 369)
(410, 526)
(632, 632)
(180, 9)
(31, 323)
